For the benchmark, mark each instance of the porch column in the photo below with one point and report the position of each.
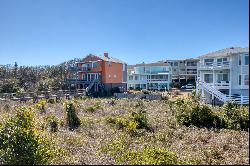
(230, 83)
(213, 77)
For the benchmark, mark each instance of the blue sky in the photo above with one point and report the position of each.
(47, 32)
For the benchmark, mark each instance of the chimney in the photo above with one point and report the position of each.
(106, 55)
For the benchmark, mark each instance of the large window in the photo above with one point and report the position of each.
(208, 78)
(191, 63)
(208, 62)
(222, 77)
(223, 61)
(246, 80)
(94, 64)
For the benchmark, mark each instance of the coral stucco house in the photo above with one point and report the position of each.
(95, 73)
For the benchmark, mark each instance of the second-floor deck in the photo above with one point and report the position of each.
(214, 66)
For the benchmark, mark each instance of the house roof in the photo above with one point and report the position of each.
(149, 64)
(226, 52)
(180, 60)
(111, 59)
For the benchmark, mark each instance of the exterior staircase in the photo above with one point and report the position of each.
(221, 96)
(91, 85)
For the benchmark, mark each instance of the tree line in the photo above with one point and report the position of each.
(15, 78)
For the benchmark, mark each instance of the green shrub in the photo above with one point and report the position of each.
(136, 120)
(72, 119)
(41, 105)
(149, 156)
(94, 107)
(9, 86)
(139, 117)
(20, 143)
(236, 117)
(51, 101)
(52, 123)
(200, 115)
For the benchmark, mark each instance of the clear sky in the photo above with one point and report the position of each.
(47, 32)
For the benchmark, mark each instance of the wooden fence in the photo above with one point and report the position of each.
(40, 95)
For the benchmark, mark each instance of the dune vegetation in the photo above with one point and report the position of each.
(123, 131)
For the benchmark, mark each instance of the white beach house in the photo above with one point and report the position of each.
(224, 75)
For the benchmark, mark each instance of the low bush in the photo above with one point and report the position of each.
(136, 120)
(52, 123)
(192, 113)
(235, 116)
(94, 107)
(149, 156)
(41, 105)
(51, 101)
(20, 143)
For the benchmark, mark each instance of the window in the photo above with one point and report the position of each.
(123, 67)
(84, 77)
(239, 59)
(239, 80)
(208, 78)
(114, 75)
(109, 63)
(208, 62)
(246, 80)
(246, 59)
(223, 61)
(109, 76)
(94, 64)
(136, 77)
(222, 77)
(175, 63)
(130, 77)
(191, 63)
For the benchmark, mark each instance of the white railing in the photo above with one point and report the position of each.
(91, 85)
(214, 65)
(157, 80)
(221, 96)
(219, 85)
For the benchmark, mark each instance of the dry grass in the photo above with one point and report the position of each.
(85, 144)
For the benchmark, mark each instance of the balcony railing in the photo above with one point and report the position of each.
(84, 68)
(157, 80)
(220, 85)
(215, 65)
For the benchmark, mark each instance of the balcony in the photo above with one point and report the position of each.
(220, 85)
(157, 80)
(214, 65)
(84, 68)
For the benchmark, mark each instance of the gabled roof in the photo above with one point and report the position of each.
(226, 52)
(111, 59)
